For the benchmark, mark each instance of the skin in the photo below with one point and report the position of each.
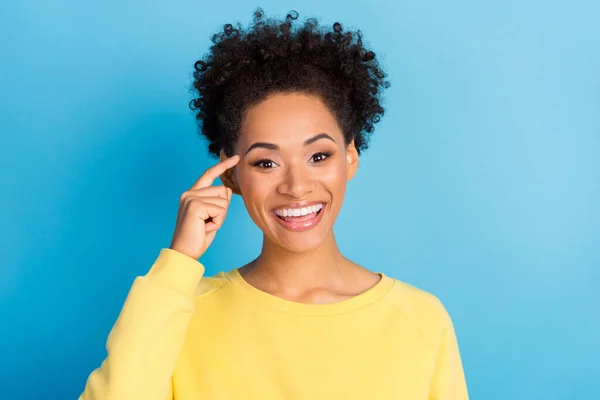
(303, 266)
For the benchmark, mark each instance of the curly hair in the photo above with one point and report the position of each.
(244, 67)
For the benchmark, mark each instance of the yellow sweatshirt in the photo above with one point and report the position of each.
(186, 337)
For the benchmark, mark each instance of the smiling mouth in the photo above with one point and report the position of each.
(301, 222)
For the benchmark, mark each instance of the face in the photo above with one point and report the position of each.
(293, 169)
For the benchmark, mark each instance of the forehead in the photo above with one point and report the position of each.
(287, 116)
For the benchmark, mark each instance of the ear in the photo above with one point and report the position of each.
(351, 159)
(228, 177)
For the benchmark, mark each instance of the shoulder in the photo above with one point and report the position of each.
(424, 310)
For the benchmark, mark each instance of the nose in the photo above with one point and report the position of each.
(297, 181)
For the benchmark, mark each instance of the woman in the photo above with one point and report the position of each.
(288, 111)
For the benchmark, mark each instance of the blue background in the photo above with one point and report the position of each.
(482, 183)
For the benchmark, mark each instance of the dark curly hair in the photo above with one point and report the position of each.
(243, 67)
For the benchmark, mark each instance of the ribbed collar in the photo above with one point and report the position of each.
(266, 299)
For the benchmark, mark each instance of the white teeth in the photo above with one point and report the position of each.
(297, 212)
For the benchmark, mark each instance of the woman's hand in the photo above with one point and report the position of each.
(202, 210)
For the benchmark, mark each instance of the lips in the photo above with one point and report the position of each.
(300, 223)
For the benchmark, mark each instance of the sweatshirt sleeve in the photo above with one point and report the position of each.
(143, 345)
(448, 382)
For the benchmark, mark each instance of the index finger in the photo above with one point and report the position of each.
(209, 176)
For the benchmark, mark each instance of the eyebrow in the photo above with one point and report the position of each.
(272, 146)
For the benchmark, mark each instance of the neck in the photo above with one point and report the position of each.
(283, 269)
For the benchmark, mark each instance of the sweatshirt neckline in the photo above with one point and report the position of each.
(360, 300)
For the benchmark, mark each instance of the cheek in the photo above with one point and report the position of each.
(254, 186)
(334, 177)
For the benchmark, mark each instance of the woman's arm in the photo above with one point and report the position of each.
(145, 342)
(147, 337)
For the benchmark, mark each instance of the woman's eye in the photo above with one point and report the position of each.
(264, 163)
(320, 157)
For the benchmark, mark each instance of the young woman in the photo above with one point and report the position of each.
(288, 110)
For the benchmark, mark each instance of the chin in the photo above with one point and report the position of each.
(300, 244)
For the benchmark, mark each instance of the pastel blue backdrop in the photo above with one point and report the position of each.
(482, 183)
